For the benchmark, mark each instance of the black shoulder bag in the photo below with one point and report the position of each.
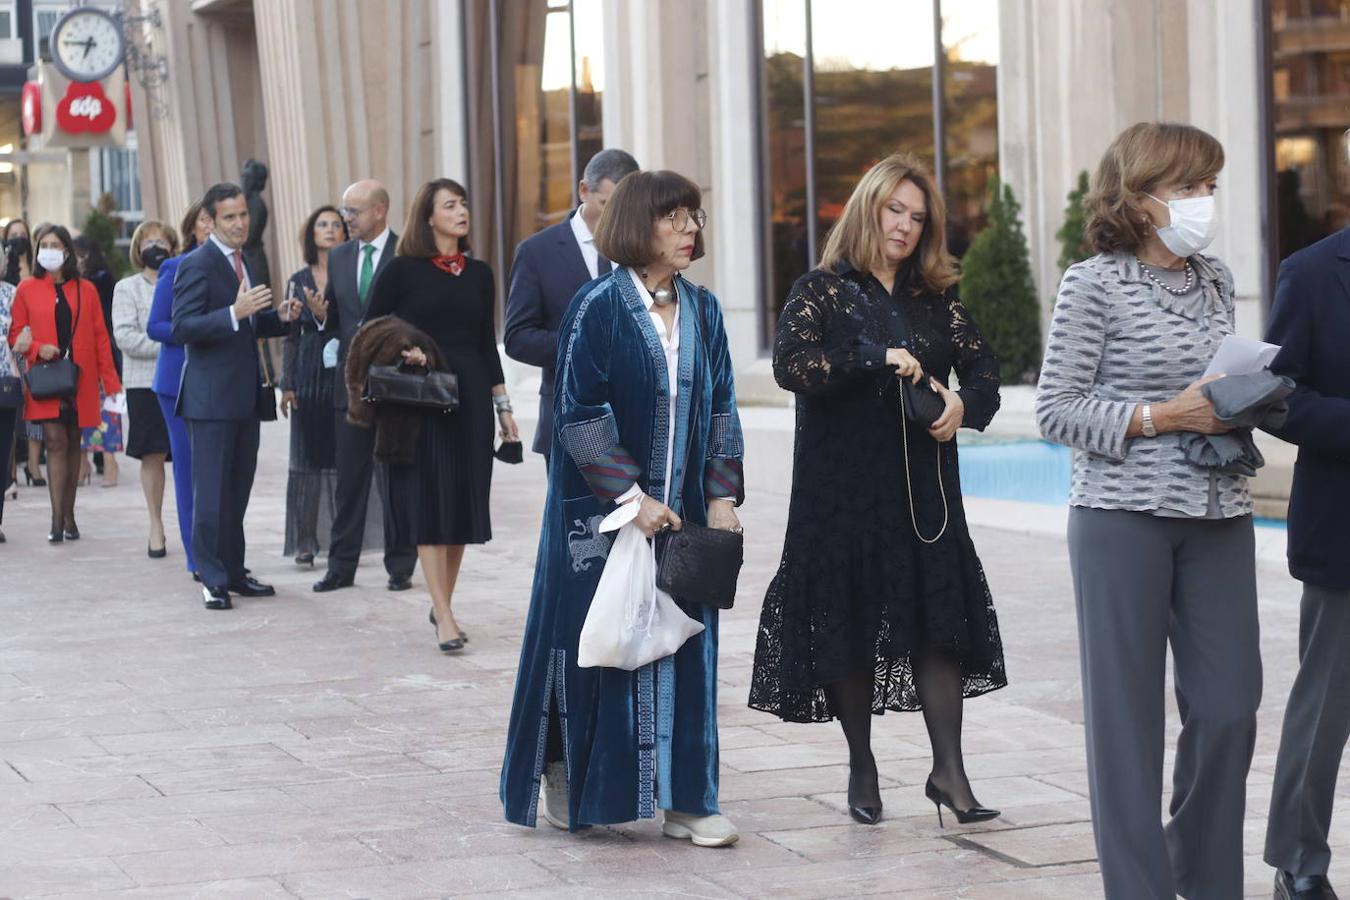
(58, 378)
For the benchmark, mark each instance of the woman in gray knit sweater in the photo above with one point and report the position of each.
(1161, 551)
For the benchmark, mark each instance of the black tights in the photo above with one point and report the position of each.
(937, 678)
(63, 469)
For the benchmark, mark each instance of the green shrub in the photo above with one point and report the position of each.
(103, 226)
(997, 288)
(1072, 245)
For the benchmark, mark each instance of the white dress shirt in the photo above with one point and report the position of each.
(586, 241)
(670, 343)
(229, 258)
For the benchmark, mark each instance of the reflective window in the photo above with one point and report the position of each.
(867, 71)
(1310, 85)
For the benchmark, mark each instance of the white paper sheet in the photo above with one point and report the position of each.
(1242, 356)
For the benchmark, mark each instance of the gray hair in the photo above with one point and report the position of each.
(612, 163)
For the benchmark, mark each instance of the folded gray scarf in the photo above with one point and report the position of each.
(1245, 402)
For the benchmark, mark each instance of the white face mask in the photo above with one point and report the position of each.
(51, 259)
(1194, 225)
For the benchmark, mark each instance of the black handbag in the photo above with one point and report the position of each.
(700, 564)
(57, 378)
(922, 404)
(510, 452)
(11, 392)
(403, 385)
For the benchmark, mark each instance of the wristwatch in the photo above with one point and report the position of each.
(1146, 421)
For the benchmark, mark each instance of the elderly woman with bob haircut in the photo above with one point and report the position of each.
(1161, 551)
(880, 601)
(646, 412)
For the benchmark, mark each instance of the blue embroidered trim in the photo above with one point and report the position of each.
(541, 743)
(646, 804)
(665, 729)
(560, 689)
(591, 440)
(656, 482)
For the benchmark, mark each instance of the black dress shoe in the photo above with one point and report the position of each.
(251, 587)
(197, 577)
(863, 812)
(157, 554)
(1289, 886)
(216, 598)
(941, 798)
(72, 533)
(56, 536)
(400, 583)
(332, 581)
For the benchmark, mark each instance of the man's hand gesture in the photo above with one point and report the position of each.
(251, 301)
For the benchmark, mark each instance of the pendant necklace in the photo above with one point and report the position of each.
(661, 296)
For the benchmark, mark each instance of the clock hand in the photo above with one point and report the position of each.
(88, 45)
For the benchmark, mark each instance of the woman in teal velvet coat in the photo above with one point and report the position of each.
(646, 413)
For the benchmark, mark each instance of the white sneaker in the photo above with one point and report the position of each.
(554, 791)
(704, 831)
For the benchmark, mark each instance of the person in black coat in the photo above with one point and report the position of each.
(354, 267)
(1310, 320)
(218, 315)
(549, 268)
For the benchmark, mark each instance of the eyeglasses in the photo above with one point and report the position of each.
(349, 212)
(679, 219)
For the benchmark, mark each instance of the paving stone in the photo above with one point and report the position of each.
(34, 878)
(243, 861)
(491, 875)
(230, 889)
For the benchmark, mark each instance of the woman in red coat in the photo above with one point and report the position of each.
(57, 313)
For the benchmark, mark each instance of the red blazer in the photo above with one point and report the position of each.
(35, 307)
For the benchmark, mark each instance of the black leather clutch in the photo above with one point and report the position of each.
(511, 452)
(700, 564)
(409, 386)
(923, 405)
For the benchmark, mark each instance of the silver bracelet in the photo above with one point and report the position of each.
(1146, 421)
(503, 404)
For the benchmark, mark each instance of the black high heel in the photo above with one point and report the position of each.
(33, 480)
(963, 816)
(431, 617)
(864, 815)
(305, 559)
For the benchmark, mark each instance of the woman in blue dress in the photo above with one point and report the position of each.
(646, 412)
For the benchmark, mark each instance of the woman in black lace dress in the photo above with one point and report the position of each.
(880, 601)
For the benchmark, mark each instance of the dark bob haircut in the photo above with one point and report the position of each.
(311, 246)
(225, 190)
(624, 234)
(419, 238)
(70, 269)
(189, 226)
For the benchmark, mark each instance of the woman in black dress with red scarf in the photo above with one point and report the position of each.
(880, 601)
(434, 287)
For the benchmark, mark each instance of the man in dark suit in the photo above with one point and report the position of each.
(1310, 320)
(353, 268)
(549, 268)
(218, 316)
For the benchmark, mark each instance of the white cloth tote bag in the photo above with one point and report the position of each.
(631, 622)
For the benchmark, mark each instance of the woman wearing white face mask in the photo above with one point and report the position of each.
(1161, 551)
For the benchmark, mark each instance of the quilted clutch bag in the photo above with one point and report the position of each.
(922, 405)
(701, 565)
(407, 386)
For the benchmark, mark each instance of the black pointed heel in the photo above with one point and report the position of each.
(868, 814)
(963, 816)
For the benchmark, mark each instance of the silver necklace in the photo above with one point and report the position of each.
(661, 296)
(1175, 292)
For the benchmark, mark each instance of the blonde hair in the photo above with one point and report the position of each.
(1141, 159)
(166, 231)
(857, 239)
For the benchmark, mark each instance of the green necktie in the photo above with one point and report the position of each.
(367, 273)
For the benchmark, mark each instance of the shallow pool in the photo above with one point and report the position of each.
(1029, 471)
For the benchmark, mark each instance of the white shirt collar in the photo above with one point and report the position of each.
(581, 229)
(378, 243)
(223, 247)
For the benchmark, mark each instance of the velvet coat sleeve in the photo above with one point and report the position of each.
(724, 468)
(1317, 420)
(583, 418)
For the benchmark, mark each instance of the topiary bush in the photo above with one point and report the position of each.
(1072, 245)
(997, 288)
(103, 226)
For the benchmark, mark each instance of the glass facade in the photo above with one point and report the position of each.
(838, 94)
(1310, 89)
(538, 105)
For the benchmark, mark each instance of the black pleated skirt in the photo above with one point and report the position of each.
(446, 492)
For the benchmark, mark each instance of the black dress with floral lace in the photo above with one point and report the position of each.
(856, 587)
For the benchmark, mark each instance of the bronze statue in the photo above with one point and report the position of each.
(253, 179)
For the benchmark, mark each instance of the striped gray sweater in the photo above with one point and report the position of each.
(1116, 340)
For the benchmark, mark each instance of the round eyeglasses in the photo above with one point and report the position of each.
(680, 218)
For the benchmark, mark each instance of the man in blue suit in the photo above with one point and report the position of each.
(218, 316)
(1310, 321)
(549, 268)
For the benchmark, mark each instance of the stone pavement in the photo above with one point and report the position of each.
(319, 746)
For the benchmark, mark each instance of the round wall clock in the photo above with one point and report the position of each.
(87, 44)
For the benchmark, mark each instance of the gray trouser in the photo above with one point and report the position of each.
(1316, 726)
(1141, 582)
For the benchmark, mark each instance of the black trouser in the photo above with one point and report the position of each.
(9, 419)
(355, 451)
(224, 460)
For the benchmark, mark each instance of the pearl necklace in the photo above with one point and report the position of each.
(1175, 292)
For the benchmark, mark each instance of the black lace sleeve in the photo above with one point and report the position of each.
(976, 366)
(809, 356)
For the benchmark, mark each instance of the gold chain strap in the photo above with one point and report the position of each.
(909, 479)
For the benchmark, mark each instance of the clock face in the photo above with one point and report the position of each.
(86, 44)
